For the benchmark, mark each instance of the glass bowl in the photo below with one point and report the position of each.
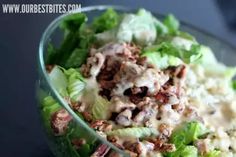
(62, 146)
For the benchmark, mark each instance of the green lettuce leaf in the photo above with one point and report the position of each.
(58, 80)
(76, 36)
(166, 54)
(106, 21)
(208, 57)
(76, 83)
(213, 67)
(76, 132)
(187, 134)
(77, 58)
(49, 106)
(160, 27)
(100, 108)
(162, 61)
(171, 23)
(138, 132)
(184, 136)
(234, 84)
(73, 22)
(86, 36)
(189, 151)
(213, 153)
(184, 151)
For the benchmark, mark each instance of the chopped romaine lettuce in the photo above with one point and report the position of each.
(49, 106)
(77, 36)
(187, 36)
(160, 27)
(189, 151)
(213, 153)
(182, 43)
(234, 84)
(106, 21)
(77, 132)
(76, 83)
(73, 21)
(169, 54)
(51, 53)
(162, 61)
(187, 134)
(184, 151)
(172, 24)
(77, 58)
(86, 37)
(208, 57)
(100, 108)
(211, 65)
(138, 132)
(58, 80)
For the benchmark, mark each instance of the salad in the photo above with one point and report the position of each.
(142, 84)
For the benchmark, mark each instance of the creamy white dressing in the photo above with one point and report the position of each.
(215, 102)
(152, 79)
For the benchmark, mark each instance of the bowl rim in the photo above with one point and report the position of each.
(55, 23)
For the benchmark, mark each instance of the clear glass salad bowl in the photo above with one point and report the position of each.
(62, 147)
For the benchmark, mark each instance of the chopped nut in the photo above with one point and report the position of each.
(135, 147)
(101, 125)
(101, 151)
(201, 146)
(60, 121)
(165, 129)
(87, 116)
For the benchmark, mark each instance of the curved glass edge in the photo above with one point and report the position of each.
(46, 35)
(55, 23)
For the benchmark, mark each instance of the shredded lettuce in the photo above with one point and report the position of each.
(86, 37)
(100, 108)
(171, 23)
(138, 132)
(184, 136)
(162, 61)
(213, 153)
(188, 133)
(167, 54)
(106, 21)
(76, 132)
(49, 106)
(208, 57)
(160, 27)
(184, 151)
(189, 151)
(212, 67)
(78, 38)
(76, 83)
(234, 84)
(59, 81)
(71, 25)
(73, 22)
(77, 58)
